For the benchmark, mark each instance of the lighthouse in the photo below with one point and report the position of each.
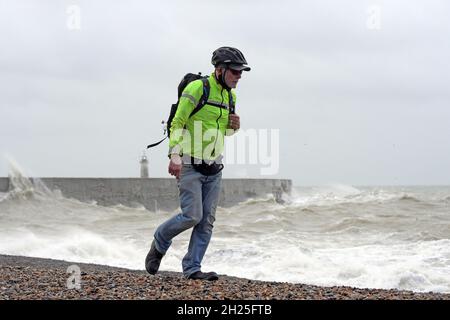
(144, 166)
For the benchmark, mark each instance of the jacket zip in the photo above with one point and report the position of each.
(217, 122)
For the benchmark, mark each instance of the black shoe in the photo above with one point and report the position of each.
(153, 259)
(211, 276)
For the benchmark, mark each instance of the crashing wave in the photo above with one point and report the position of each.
(408, 197)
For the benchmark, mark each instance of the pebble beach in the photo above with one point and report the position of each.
(45, 279)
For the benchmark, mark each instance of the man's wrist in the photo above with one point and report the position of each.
(174, 150)
(175, 158)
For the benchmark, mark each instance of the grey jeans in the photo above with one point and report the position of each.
(198, 201)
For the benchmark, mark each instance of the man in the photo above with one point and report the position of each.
(195, 148)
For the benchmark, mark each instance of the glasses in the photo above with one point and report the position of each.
(235, 72)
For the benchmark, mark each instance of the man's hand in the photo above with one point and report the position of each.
(175, 165)
(234, 121)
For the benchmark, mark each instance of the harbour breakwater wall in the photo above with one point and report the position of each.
(154, 193)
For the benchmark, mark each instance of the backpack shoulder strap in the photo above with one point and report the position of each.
(203, 98)
(157, 143)
(231, 102)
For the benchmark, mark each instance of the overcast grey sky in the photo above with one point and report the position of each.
(358, 89)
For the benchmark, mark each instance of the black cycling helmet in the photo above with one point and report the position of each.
(230, 58)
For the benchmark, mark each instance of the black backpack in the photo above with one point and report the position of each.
(188, 78)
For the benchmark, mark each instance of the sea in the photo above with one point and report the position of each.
(390, 237)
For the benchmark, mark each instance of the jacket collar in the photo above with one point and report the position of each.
(216, 83)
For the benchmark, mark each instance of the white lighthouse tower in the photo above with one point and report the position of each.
(144, 166)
